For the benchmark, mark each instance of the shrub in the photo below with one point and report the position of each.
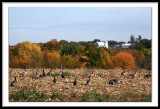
(26, 94)
(56, 95)
(86, 96)
(146, 98)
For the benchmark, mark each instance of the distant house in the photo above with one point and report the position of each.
(102, 44)
(126, 45)
(116, 46)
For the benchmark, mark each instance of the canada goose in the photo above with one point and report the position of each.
(63, 76)
(147, 76)
(88, 81)
(54, 80)
(132, 75)
(88, 75)
(99, 74)
(93, 72)
(23, 73)
(110, 82)
(116, 81)
(75, 82)
(44, 73)
(11, 71)
(13, 83)
(123, 73)
(51, 70)
(36, 76)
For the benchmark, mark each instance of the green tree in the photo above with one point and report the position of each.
(51, 46)
(96, 40)
(139, 38)
(146, 43)
(72, 47)
(95, 56)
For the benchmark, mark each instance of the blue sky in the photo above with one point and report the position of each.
(41, 24)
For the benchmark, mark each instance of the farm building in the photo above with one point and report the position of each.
(102, 44)
(126, 45)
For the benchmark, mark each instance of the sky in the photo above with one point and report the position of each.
(41, 24)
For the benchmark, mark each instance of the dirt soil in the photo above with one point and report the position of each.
(65, 87)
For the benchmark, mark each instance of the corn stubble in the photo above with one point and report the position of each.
(135, 89)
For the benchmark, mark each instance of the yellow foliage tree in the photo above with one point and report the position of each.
(53, 59)
(28, 54)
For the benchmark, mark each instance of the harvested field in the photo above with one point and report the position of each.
(134, 90)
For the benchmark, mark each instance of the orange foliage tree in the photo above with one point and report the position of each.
(53, 59)
(107, 59)
(83, 63)
(124, 60)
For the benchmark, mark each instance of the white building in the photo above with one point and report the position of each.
(117, 46)
(127, 45)
(102, 44)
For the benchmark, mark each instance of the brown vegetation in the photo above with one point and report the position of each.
(134, 88)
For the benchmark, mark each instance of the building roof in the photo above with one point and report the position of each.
(100, 43)
(128, 44)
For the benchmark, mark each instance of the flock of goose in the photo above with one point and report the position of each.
(111, 82)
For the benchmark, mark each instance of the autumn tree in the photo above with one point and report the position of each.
(62, 44)
(107, 59)
(51, 45)
(139, 58)
(28, 54)
(124, 60)
(53, 59)
(68, 61)
(11, 56)
(83, 60)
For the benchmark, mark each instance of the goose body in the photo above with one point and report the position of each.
(88, 81)
(63, 76)
(44, 73)
(54, 80)
(92, 72)
(89, 74)
(13, 83)
(132, 75)
(36, 76)
(116, 81)
(23, 73)
(123, 73)
(147, 76)
(99, 74)
(11, 71)
(75, 82)
(111, 82)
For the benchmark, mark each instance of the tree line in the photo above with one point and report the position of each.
(64, 54)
